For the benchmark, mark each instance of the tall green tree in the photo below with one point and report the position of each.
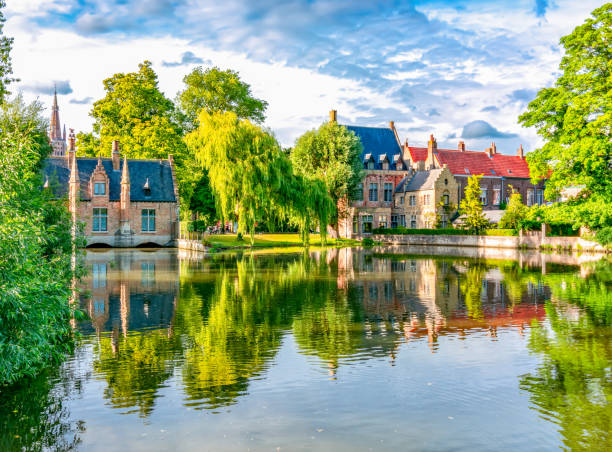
(471, 206)
(252, 178)
(6, 68)
(331, 154)
(574, 116)
(216, 91)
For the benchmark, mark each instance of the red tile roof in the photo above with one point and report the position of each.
(476, 162)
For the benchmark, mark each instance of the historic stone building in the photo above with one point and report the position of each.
(120, 203)
(393, 193)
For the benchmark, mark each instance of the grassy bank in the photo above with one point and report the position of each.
(223, 241)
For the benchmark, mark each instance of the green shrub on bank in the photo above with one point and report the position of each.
(447, 231)
(604, 236)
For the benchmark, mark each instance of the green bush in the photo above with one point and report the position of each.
(367, 242)
(197, 226)
(604, 236)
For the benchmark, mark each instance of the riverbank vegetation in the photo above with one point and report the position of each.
(36, 245)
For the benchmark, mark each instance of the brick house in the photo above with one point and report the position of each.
(121, 203)
(499, 171)
(390, 185)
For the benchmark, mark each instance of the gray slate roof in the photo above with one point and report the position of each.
(377, 142)
(159, 172)
(419, 180)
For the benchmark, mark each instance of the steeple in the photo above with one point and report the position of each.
(55, 132)
(58, 141)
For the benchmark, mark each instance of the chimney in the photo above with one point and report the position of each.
(461, 146)
(333, 116)
(71, 146)
(489, 152)
(406, 153)
(392, 125)
(493, 148)
(519, 152)
(432, 146)
(115, 155)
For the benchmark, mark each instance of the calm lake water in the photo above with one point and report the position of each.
(338, 350)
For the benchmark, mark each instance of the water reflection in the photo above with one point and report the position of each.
(341, 306)
(209, 328)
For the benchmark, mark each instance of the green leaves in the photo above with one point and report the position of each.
(330, 154)
(252, 178)
(35, 250)
(471, 206)
(575, 116)
(216, 91)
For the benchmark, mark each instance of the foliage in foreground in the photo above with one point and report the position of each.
(35, 251)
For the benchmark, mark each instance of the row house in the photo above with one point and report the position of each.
(119, 202)
(500, 172)
(418, 187)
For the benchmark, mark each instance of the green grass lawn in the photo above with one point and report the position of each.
(270, 240)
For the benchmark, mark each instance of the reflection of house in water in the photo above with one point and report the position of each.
(426, 297)
(129, 291)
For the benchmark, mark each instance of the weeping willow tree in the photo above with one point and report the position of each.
(253, 179)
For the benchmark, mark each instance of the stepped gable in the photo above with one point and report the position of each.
(378, 142)
(477, 162)
(158, 172)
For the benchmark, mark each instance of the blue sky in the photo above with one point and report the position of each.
(457, 69)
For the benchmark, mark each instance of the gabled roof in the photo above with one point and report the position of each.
(380, 142)
(476, 162)
(419, 180)
(159, 173)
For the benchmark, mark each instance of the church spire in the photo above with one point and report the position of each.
(58, 141)
(56, 132)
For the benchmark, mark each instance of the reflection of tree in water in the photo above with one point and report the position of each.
(574, 384)
(135, 366)
(33, 415)
(252, 303)
(471, 287)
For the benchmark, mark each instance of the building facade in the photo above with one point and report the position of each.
(407, 186)
(501, 173)
(119, 202)
(393, 192)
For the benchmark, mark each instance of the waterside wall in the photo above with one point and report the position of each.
(480, 241)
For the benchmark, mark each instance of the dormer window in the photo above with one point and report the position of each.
(385, 166)
(467, 171)
(147, 188)
(99, 188)
(493, 172)
(370, 164)
(509, 171)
